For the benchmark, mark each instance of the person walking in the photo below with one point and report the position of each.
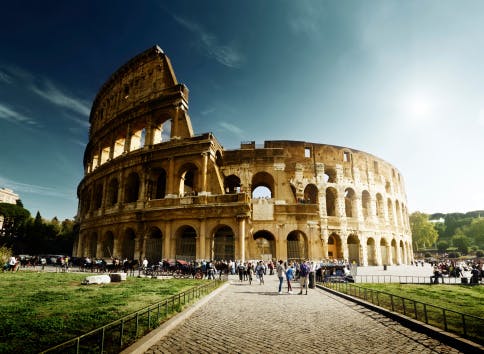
(289, 277)
(304, 276)
(281, 271)
(260, 271)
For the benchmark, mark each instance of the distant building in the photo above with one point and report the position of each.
(7, 196)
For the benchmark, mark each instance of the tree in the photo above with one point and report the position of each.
(462, 243)
(475, 231)
(14, 217)
(442, 246)
(423, 231)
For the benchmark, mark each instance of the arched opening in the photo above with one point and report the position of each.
(262, 185)
(390, 211)
(387, 187)
(371, 252)
(128, 244)
(92, 245)
(265, 245)
(188, 180)
(98, 196)
(113, 192)
(379, 205)
(398, 214)
(161, 185)
(353, 249)
(108, 245)
(402, 252)
(384, 252)
(186, 243)
(394, 252)
(86, 200)
(232, 184)
(311, 194)
(154, 244)
(131, 190)
(223, 246)
(365, 203)
(335, 251)
(331, 196)
(296, 246)
(330, 175)
(350, 203)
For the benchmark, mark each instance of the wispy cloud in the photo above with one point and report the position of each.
(20, 188)
(306, 17)
(82, 122)
(10, 115)
(231, 128)
(207, 111)
(52, 94)
(5, 78)
(225, 54)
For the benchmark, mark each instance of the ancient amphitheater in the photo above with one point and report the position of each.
(154, 189)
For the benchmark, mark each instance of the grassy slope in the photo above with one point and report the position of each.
(49, 308)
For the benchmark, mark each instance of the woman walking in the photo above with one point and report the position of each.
(260, 270)
(289, 277)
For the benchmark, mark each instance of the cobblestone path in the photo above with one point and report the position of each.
(256, 319)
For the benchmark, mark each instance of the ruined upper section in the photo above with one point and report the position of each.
(147, 79)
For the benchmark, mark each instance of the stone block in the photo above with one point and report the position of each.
(97, 279)
(117, 277)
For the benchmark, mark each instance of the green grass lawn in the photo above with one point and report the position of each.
(409, 299)
(39, 310)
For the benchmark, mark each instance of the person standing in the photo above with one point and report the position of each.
(281, 271)
(304, 276)
(260, 271)
(289, 277)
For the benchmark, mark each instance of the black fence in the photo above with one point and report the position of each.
(467, 326)
(119, 334)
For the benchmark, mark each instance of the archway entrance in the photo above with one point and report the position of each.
(384, 252)
(223, 246)
(186, 243)
(107, 245)
(334, 247)
(371, 252)
(154, 244)
(265, 245)
(353, 249)
(127, 244)
(296, 246)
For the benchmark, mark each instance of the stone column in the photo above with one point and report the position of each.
(242, 238)
(127, 142)
(324, 240)
(170, 180)
(201, 252)
(167, 241)
(149, 132)
(203, 184)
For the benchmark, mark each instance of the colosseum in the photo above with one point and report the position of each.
(152, 188)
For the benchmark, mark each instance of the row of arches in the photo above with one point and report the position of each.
(223, 246)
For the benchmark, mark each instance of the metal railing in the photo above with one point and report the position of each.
(410, 279)
(119, 334)
(467, 326)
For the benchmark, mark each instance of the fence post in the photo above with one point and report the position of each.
(415, 309)
(445, 319)
(121, 334)
(102, 339)
(404, 309)
(425, 313)
(391, 300)
(464, 325)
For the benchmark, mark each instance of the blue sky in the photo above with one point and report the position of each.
(402, 80)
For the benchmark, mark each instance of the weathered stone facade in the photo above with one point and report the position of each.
(154, 189)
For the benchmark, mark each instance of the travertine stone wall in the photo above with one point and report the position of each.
(154, 189)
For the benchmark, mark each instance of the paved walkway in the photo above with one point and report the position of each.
(254, 318)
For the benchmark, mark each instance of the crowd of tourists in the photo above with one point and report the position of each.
(458, 269)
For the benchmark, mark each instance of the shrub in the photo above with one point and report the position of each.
(453, 254)
(5, 254)
(480, 253)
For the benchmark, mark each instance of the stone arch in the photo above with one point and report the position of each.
(394, 251)
(232, 184)
(379, 206)
(311, 194)
(350, 199)
(107, 245)
(353, 243)
(188, 177)
(154, 245)
(86, 200)
(366, 204)
(331, 198)
(265, 180)
(265, 243)
(160, 191)
(297, 247)
(398, 215)
(98, 196)
(90, 245)
(335, 249)
(390, 211)
(128, 244)
(330, 175)
(131, 188)
(186, 242)
(371, 252)
(113, 192)
(402, 252)
(387, 187)
(385, 255)
(223, 243)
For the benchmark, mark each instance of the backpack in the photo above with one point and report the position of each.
(304, 270)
